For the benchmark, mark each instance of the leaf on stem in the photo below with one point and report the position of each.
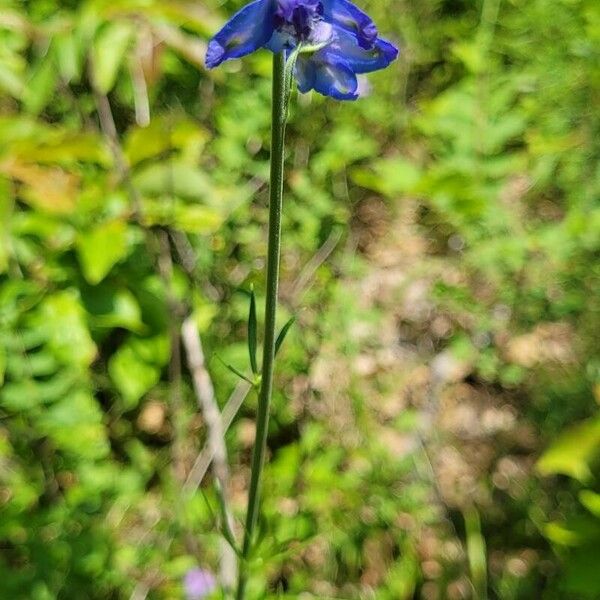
(225, 525)
(281, 337)
(252, 343)
(236, 372)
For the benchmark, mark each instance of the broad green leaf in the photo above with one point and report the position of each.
(15, 128)
(196, 218)
(173, 178)
(151, 296)
(24, 491)
(100, 249)
(190, 218)
(110, 47)
(28, 393)
(154, 350)
(344, 145)
(26, 339)
(163, 134)
(572, 453)
(132, 374)
(500, 132)
(204, 312)
(44, 226)
(591, 500)
(142, 143)
(76, 412)
(41, 85)
(68, 56)
(112, 308)
(21, 365)
(470, 54)
(65, 149)
(63, 316)
(389, 176)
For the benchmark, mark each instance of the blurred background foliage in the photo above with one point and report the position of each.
(435, 431)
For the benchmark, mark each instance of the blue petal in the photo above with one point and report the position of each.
(286, 8)
(346, 15)
(305, 73)
(362, 60)
(248, 30)
(322, 33)
(328, 74)
(281, 40)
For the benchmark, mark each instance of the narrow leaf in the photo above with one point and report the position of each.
(236, 372)
(225, 525)
(252, 333)
(476, 553)
(282, 334)
(239, 374)
(262, 533)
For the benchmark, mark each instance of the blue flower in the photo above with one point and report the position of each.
(338, 41)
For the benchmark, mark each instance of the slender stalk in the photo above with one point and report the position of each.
(279, 117)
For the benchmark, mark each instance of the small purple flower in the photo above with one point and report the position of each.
(198, 583)
(337, 39)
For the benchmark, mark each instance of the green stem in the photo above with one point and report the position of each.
(279, 117)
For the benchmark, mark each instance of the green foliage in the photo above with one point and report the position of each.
(577, 532)
(573, 452)
(477, 155)
(100, 249)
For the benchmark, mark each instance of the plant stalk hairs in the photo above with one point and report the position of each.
(324, 44)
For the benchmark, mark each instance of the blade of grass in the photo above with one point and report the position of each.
(476, 553)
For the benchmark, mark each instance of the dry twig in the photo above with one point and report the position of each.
(205, 394)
